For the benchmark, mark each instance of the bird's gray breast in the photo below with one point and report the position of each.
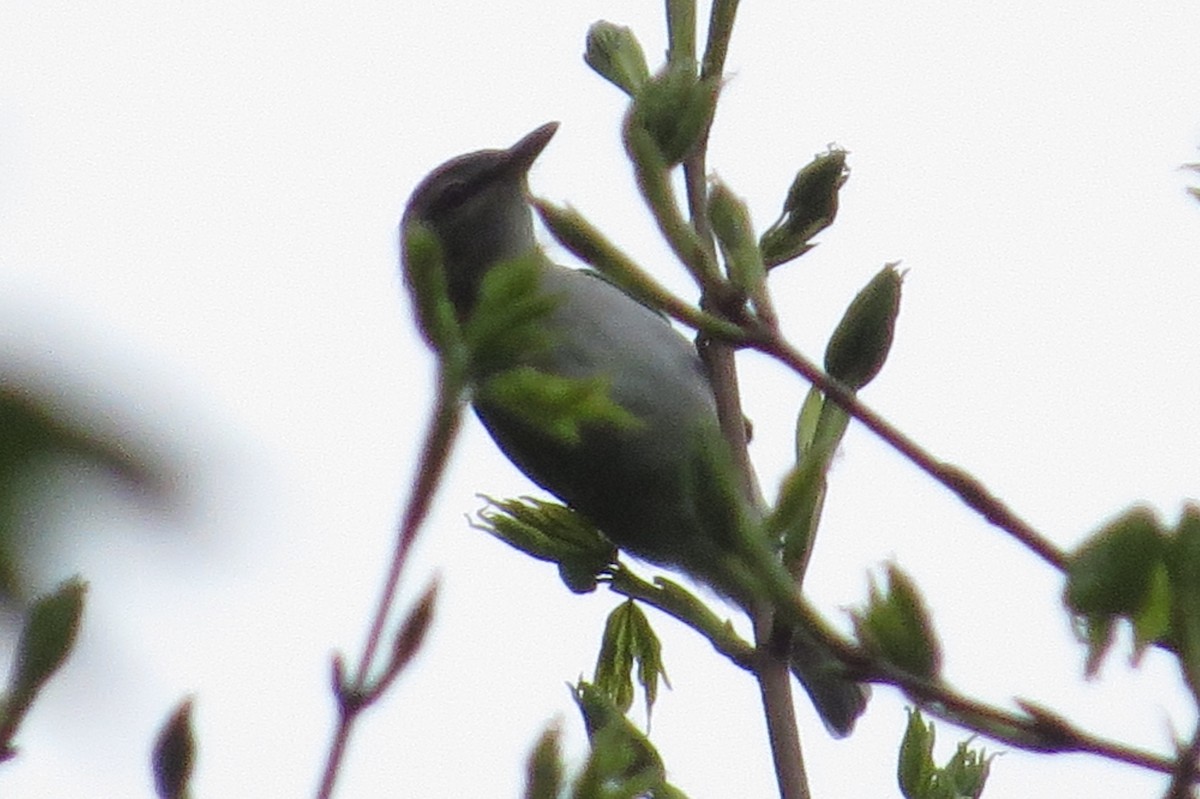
(631, 482)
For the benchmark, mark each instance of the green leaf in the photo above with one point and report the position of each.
(506, 325)
(896, 627)
(1153, 621)
(1184, 570)
(1113, 571)
(915, 769)
(963, 776)
(551, 532)
(794, 518)
(425, 278)
(861, 342)
(807, 419)
(47, 637)
(967, 772)
(622, 763)
(40, 433)
(820, 426)
(1097, 632)
(556, 406)
(174, 754)
(629, 640)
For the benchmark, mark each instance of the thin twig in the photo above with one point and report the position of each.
(772, 673)
(775, 689)
(969, 489)
(353, 697)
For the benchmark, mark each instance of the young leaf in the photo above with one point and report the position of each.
(963, 777)
(1112, 572)
(425, 278)
(555, 406)
(622, 762)
(552, 532)
(47, 638)
(629, 640)
(506, 325)
(915, 770)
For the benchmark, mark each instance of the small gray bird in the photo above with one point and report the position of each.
(649, 487)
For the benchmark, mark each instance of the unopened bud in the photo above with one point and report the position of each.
(615, 54)
(735, 233)
(810, 207)
(675, 108)
(860, 344)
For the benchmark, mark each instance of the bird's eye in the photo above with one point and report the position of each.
(453, 193)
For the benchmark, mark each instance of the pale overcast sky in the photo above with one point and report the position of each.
(197, 226)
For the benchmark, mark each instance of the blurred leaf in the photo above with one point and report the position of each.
(506, 324)
(807, 419)
(1184, 566)
(796, 516)
(896, 627)
(425, 278)
(967, 772)
(555, 406)
(544, 769)
(174, 754)
(622, 764)
(1153, 621)
(1193, 190)
(413, 630)
(37, 433)
(1112, 572)
(47, 638)
(1097, 632)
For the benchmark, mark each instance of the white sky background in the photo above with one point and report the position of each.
(197, 226)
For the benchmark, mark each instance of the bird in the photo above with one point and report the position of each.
(652, 487)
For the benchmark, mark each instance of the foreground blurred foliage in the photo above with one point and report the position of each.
(43, 438)
(52, 446)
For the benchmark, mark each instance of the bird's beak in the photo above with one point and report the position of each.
(522, 154)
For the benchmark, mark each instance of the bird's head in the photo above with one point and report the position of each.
(477, 207)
